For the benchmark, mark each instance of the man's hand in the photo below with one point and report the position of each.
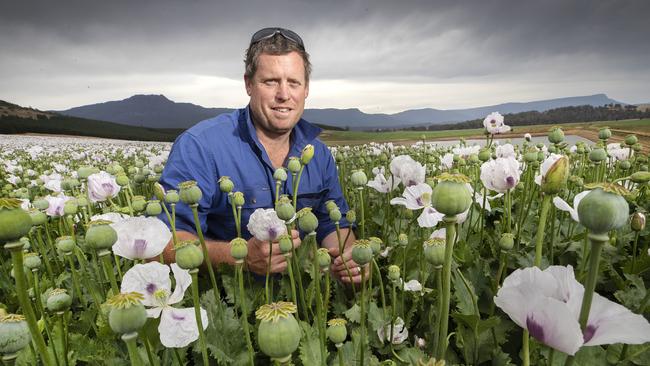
(258, 255)
(353, 272)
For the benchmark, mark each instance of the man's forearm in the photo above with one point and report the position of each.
(218, 251)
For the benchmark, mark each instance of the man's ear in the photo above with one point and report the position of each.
(248, 84)
(306, 90)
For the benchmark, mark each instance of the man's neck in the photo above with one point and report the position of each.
(276, 146)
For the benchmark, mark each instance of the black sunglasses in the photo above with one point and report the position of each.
(267, 33)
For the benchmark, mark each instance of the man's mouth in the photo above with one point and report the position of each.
(282, 110)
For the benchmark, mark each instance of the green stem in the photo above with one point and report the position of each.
(597, 243)
(197, 312)
(539, 238)
(362, 221)
(130, 340)
(244, 313)
(108, 270)
(16, 249)
(207, 262)
(63, 329)
(269, 290)
(320, 320)
(292, 282)
(450, 227)
(362, 343)
(436, 327)
(525, 353)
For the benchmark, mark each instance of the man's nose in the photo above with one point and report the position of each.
(282, 93)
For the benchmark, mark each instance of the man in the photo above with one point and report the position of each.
(248, 145)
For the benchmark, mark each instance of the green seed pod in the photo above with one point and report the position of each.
(153, 208)
(158, 169)
(484, 155)
(239, 249)
(59, 300)
(14, 221)
(324, 259)
(552, 149)
(362, 252)
(138, 203)
(100, 235)
(604, 133)
(507, 241)
(624, 164)
(351, 216)
(375, 244)
(122, 180)
(394, 273)
(530, 157)
(127, 313)
(189, 192)
(38, 217)
(172, 196)
(280, 174)
(85, 171)
(14, 334)
(336, 331)
(358, 178)
(188, 254)
(225, 184)
(307, 154)
(41, 204)
(434, 251)
(335, 215)
(307, 221)
(603, 209)
(640, 177)
(278, 334)
(65, 244)
(403, 239)
(238, 199)
(285, 209)
(638, 221)
(32, 261)
(597, 154)
(286, 243)
(631, 140)
(556, 135)
(294, 164)
(450, 196)
(70, 207)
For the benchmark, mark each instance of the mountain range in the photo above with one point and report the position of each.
(157, 111)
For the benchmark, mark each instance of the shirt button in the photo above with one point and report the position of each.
(253, 200)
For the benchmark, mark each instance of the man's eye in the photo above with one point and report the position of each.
(271, 82)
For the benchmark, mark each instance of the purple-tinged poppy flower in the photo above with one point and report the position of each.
(140, 237)
(265, 225)
(102, 186)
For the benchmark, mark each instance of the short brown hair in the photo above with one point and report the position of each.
(276, 45)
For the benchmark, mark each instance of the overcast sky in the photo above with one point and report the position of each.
(378, 56)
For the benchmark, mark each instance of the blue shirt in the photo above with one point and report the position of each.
(227, 145)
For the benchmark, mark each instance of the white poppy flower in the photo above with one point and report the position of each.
(564, 206)
(618, 152)
(417, 197)
(383, 185)
(409, 171)
(400, 333)
(430, 217)
(56, 203)
(547, 303)
(466, 151)
(177, 326)
(265, 225)
(113, 217)
(412, 286)
(140, 237)
(447, 161)
(493, 123)
(102, 186)
(505, 151)
(501, 174)
(53, 185)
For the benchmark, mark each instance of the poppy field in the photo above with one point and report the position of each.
(491, 254)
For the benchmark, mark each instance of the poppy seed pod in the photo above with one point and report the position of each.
(451, 196)
(138, 203)
(640, 177)
(375, 244)
(188, 254)
(280, 174)
(556, 135)
(58, 300)
(14, 334)
(362, 252)
(225, 184)
(32, 261)
(484, 155)
(14, 221)
(153, 208)
(351, 216)
(294, 164)
(434, 251)
(286, 243)
(189, 192)
(597, 154)
(307, 221)
(603, 210)
(604, 133)
(336, 331)
(393, 272)
(100, 235)
(278, 334)
(324, 259)
(238, 199)
(122, 180)
(127, 313)
(359, 178)
(285, 209)
(507, 241)
(335, 215)
(239, 249)
(403, 239)
(631, 140)
(65, 244)
(172, 196)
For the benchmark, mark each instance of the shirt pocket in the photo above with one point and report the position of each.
(312, 199)
(257, 197)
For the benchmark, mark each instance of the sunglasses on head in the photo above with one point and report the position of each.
(267, 33)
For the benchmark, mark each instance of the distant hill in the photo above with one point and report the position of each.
(157, 111)
(15, 119)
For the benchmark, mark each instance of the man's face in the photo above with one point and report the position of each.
(278, 91)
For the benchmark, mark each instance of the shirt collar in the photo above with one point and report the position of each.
(302, 134)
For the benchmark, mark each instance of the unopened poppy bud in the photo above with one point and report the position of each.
(58, 300)
(507, 241)
(159, 191)
(294, 164)
(335, 215)
(601, 211)
(225, 184)
(172, 196)
(286, 243)
(638, 221)
(188, 254)
(484, 155)
(631, 140)
(307, 221)
(640, 177)
(324, 259)
(361, 252)
(434, 251)
(238, 199)
(351, 216)
(604, 133)
(280, 174)
(153, 208)
(556, 176)
(336, 331)
(359, 178)
(393, 273)
(556, 135)
(189, 192)
(100, 235)
(239, 249)
(307, 154)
